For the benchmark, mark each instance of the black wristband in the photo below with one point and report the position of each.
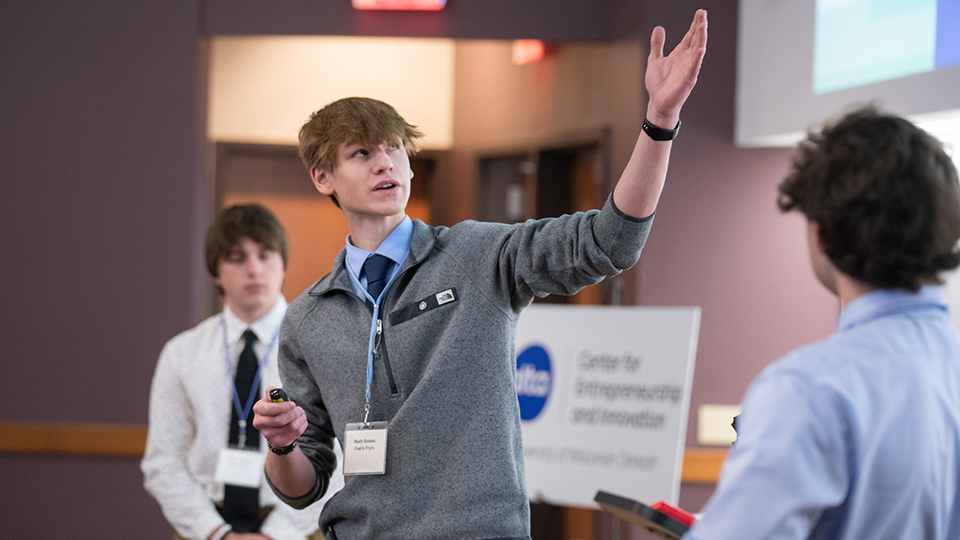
(282, 451)
(657, 133)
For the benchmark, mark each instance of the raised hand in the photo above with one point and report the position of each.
(669, 79)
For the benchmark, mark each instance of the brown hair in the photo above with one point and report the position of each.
(240, 221)
(886, 197)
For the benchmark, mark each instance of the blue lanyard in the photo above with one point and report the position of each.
(244, 411)
(376, 330)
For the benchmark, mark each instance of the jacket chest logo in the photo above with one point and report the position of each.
(414, 309)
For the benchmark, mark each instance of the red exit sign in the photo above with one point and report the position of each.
(400, 5)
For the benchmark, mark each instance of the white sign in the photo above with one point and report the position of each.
(604, 397)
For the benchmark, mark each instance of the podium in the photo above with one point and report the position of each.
(664, 521)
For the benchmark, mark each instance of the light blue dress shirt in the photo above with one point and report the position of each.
(855, 437)
(394, 247)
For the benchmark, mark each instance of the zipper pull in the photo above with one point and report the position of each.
(377, 338)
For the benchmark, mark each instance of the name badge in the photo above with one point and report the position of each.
(365, 448)
(239, 467)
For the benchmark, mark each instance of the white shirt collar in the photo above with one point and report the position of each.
(265, 327)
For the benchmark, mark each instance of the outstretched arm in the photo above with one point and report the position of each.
(669, 81)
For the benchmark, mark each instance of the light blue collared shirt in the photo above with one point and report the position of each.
(854, 437)
(394, 247)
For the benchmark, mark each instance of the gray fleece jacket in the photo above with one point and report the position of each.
(443, 372)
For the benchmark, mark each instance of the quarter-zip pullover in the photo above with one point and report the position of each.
(444, 371)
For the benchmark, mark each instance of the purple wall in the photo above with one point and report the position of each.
(98, 157)
(720, 242)
(104, 202)
(100, 153)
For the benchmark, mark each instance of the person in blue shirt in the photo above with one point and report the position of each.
(858, 436)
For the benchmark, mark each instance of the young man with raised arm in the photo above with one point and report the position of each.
(405, 351)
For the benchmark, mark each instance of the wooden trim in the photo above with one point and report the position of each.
(700, 465)
(83, 439)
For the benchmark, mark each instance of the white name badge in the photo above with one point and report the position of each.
(365, 448)
(239, 467)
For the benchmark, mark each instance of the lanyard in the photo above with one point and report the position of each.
(373, 344)
(244, 411)
(376, 330)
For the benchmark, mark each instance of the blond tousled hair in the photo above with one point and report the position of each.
(353, 120)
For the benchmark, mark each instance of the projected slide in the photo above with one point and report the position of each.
(858, 42)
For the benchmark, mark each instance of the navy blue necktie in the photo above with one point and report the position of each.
(241, 505)
(375, 268)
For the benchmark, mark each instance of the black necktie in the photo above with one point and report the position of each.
(375, 268)
(241, 505)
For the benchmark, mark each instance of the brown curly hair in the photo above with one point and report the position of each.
(885, 195)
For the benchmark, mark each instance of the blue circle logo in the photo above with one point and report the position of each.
(534, 381)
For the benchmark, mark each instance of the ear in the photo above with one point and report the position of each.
(816, 238)
(321, 180)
